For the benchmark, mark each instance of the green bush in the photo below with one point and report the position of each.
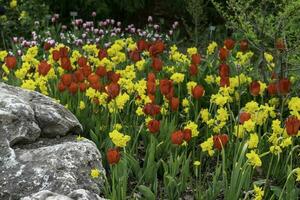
(19, 17)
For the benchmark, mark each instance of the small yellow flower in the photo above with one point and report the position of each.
(177, 77)
(253, 141)
(118, 138)
(258, 192)
(268, 57)
(81, 105)
(276, 150)
(211, 48)
(197, 163)
(79, 138)
(95, 173)
(254, 159)
(298, 174)
(13, 4)
(208, 146)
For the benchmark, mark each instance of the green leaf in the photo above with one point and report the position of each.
(146, 192)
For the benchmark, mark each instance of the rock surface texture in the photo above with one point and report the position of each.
(39, 157)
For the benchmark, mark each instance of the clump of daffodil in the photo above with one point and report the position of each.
(193, 127)
(269, 59)
(253, 141)
(118, 103)
(276, 150)
(186, 105)
(176, 56)
(294, 106)
(254, 159)
(211, 48)
(119, 139)
(207, 146)
(81, 105)
(28, 84)
(297, 170)
(140, 65)
(210, 79)
(118, 126)
(13, 4)
(243, 58)
(239, 131)
(190, 85)
(3, 54)
(177, 77)
(258, 193)
(192, 50)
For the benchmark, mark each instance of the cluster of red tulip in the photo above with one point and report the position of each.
(178, 137)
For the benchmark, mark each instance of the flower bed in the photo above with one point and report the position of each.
(212, 125)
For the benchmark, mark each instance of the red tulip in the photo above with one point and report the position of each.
(272, 89)
(153, 126)
(223, 54)
(254, 88)
(47, 46)
(44, 68)
(66, 63)
(113, 77)
(244, 116)
(244, 45)
(187, 134)
(10, 61)
(61, 87)
(82, 61)
(224, 70)
(280, 44)
(198, 91)
(229, 43)
(174, 103)
(113, 90)
(156, 48)
(151, 87)
(165, 86)
(196, 59)
(142, 45)
(55, 55)
(79, 75)
(135, 55)
(292, 125)
(93, 78)
(96, 86)
(151, 77)
(82, 87)
(151, 109)
(193, 70)
(220, 141)
(284, 86)
(152, 97)
(102, 54)
(66, 79)
(156, 64)
(177, 137)
(273, 75)
(113, 156)
(101, 71)
(87, 70)
(63, 51)
(73, 88)
(225, 81)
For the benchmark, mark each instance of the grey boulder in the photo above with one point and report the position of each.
(40, 157)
